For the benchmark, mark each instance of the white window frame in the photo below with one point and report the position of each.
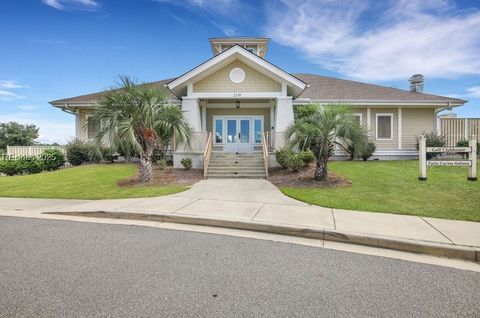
(361, 117)
(391, 125)
(252, 118)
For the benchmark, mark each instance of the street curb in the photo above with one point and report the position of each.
(407, 245)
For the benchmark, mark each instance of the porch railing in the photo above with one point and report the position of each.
(207, 153)
(265, 152)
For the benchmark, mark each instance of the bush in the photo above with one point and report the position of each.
(433, 140)
(282, 155)
(23, 165)
(465, 143)
(302, 111)
(77, 152)
(52, 159)
(365, 155)
(186, 163)
(307, 156)
(295, 162)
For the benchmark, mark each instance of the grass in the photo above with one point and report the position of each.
(393, 187)
(83, 182)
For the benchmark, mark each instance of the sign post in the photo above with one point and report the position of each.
(422, 158)
(471, 162)
(472, 156)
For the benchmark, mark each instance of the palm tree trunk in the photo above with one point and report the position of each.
(321, 172)
(146, 170)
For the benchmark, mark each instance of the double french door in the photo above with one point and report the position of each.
(238, 134)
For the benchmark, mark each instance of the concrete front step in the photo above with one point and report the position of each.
(229, 165)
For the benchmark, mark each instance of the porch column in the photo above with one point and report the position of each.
(78, 126)
(283, 119)
(191, 109)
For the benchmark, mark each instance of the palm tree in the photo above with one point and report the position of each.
(320, 128)
(138, 119)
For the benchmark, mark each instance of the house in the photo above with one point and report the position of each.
(238, 95)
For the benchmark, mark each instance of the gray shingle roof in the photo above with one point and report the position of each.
(324, 88)
(321, 88)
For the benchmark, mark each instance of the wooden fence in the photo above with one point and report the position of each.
(455, 129)
(31, 150)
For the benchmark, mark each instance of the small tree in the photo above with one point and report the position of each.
(321, 128)
(15, 134)
(138, 119)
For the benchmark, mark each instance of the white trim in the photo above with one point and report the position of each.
(224, 118)
(242, 105)
(245, 56)
(399, 128)
(369, 120)
(391, 125)
(359, 115)
(380, 103)
(204, 117)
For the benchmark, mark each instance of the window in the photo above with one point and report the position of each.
(358, 116)
(218, 131)
(93, 127)
(384, 126)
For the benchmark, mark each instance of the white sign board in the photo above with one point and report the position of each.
(471, 162)
(449, 149)
(450, 163)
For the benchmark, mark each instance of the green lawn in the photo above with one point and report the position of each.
(393, 187)
(83, 182)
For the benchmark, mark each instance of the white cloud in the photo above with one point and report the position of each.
(363, 40)
(6, 96)
(65, 5)
(10, 84)
(474, 91)
(27, 107)
(215, 5)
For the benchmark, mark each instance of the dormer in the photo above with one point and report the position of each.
(256, 46)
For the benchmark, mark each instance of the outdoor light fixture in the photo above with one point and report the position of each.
(237, 104)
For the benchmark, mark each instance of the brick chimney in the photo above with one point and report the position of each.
(416, 83)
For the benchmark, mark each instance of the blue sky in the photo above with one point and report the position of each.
(52, 49)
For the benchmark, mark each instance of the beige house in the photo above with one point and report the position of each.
(239, 97)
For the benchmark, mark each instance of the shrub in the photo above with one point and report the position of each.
(465, 143)
(302, 111)
(295, 162)
(282, 155)
(307, 156)
(77, 152)
(186, 163)
(433, 140)
(52, 159)
(23, 165)
(369, 151)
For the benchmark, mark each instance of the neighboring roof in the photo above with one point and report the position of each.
(324, 88)
(92, 98)
(320, 88)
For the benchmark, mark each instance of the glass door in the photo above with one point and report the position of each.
(232, 135)
(245, 143)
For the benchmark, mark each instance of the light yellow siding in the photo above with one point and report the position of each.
(414, 123)
(219, 81)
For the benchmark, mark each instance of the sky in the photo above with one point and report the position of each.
(53, 49)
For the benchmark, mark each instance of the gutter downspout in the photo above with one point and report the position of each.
(437, 118)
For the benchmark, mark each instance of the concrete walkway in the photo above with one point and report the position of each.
(260, 202)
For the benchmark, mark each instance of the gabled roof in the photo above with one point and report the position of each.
(331, 89)
(236, 52)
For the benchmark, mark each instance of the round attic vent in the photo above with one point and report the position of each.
(237, 75)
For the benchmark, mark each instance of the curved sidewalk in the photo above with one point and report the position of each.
(258, 205)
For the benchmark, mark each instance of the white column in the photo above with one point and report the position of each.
(369, 120)
(204, 117)
(192, 113)
(78, 127)
(272, 124)
(399, 128)
(283, 119)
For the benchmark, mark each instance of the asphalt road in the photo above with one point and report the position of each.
(73, 269)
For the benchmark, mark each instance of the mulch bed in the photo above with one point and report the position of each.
(304, 178)
(169, 176)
